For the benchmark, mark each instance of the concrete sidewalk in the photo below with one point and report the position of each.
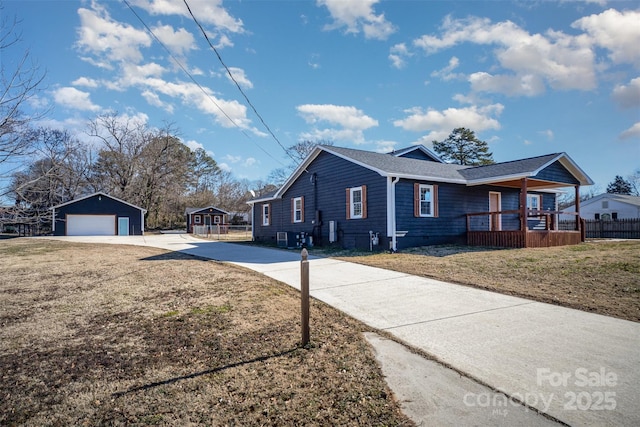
(577, 367)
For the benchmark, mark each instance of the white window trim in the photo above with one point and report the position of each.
(297, 209)
(216, 219)
(430, 214)
(530, 197)
(265, 215)
(196, 219)
(352, 204)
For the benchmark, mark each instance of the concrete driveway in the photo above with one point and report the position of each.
(577, 367)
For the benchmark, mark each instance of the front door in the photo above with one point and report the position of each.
(123, 226)
(495, 205)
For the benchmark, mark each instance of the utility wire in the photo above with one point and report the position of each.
(183, 68)
(204, 33)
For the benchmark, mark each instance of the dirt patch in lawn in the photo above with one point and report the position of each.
(98, 334)
(598, 276)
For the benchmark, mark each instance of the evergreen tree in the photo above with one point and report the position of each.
(619, 186)
(463, 148)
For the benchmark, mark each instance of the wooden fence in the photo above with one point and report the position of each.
(612, 229)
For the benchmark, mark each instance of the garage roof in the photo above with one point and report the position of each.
(99, 193)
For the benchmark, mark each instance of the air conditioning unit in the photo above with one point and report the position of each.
(282, 239)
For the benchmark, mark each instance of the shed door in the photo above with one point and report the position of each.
(123, 226)
(91, 225)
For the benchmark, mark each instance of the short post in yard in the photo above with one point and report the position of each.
(304, 291)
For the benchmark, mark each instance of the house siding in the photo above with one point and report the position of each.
(323, 186)
(557, 173)
(98, 205)
(454, 202)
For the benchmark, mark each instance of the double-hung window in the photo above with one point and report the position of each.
(266, 214)
(297, 209)
(357, 202)
(533, 202)
(425, 203)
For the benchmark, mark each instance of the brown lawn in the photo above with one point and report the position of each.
(97, 334)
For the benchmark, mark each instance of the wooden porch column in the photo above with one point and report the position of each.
(577, 207)
(523, 205)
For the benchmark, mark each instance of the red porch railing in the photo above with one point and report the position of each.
(544, 234)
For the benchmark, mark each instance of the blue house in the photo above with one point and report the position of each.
(97, 214)
(410, 197)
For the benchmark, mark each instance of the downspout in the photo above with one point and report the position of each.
(391, 211)
(53, 221)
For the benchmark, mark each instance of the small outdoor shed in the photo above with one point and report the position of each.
(209, 216)
(97, 214)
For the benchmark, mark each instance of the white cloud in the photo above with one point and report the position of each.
(345, 116)
(154, 99)
(527, 85)
(385, 146)
(627, 96)
(548, 133)
(107, 39)
(71, 97)
(86, 82)
(618, 32)
(225, 167)
(357, 16)
(240, 77)
(632, 132)
(249, 161)
(561, 61)
(439, 124)
(447, 73)
(398, 55)
(178, 42)
(207, 12)
(345, 123)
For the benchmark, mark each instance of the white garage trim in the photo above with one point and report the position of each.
(91, 225)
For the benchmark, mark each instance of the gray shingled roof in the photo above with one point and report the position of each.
(387, 164)
(515, 167)
(390, 165)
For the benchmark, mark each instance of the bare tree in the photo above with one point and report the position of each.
(19, 82)
(634, 180)
(59, 173)
(164, 175)
(122, 141)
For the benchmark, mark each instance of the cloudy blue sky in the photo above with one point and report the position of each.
(529, 77)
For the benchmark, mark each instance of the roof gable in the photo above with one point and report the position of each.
(526, 168)
(620, 198)
(99, 194)
(418, 152)
(208, 209)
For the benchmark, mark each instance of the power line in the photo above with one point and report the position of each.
(183, 68)
(204, 33)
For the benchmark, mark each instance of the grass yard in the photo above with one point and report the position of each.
(597, 276)
(121, 335)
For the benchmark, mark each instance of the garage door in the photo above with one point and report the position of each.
(91, 225)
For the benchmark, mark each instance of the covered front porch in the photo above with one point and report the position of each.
(525, 227)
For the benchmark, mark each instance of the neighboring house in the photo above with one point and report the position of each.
(608, 207)
(410, 197)
(97, 214)
(205, 216)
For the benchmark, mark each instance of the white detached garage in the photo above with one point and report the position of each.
(97, 214)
